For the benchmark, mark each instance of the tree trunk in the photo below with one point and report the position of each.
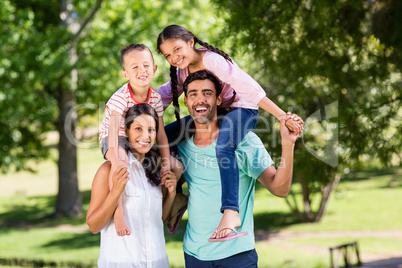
(292, 204)
(326, 192)
(308, 215)
(69, 201)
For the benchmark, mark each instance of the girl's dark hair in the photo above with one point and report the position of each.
(151, 161)
(125, 50)
(179, 32)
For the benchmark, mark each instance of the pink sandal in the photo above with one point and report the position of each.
(228, 237)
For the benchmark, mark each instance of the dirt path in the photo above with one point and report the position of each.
(279, 238)
(388, 260)
(265, 235)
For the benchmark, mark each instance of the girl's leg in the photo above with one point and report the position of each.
(234, 126)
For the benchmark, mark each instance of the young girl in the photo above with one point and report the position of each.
(146, 203)
(177, 44)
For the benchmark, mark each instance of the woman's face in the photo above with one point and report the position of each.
(142, 134)
(177, 52)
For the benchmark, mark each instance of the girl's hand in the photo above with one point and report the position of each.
(294, 123)
(287, 135)
(120, 179)
(170, 181)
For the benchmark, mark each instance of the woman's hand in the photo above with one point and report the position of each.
(169, 180)
(120, 179)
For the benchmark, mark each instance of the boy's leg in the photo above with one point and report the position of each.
(118, 218)
(233, 128)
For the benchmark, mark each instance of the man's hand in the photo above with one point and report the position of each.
(288, 136)
(294, 123)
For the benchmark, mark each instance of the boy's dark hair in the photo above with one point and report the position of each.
(125, 50)
(181, 33)
(150, 163)
(202, 75)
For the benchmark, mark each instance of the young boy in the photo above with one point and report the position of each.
(138, 69)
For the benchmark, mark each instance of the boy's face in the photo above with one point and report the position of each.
(139, 68)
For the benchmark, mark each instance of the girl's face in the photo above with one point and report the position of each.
(142, 134)
(178, 53)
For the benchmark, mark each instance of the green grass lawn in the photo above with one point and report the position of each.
(365, 208)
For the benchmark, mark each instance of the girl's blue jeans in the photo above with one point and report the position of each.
(233, 127)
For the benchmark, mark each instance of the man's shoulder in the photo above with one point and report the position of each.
(251, 139)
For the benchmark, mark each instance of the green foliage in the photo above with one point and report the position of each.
(313, 53)
(334, 64)
(35, 64)
(22, 99)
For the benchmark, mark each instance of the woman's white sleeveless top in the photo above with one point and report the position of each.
(145, 247)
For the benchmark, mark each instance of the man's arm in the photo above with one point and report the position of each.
(278, 182)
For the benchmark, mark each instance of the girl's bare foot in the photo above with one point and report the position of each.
(230, 219)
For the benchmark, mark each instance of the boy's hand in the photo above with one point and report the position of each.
(170, 181)
(120, 179)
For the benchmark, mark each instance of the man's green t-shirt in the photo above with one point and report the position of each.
(202, 175)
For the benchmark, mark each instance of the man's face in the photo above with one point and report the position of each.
(201, 101)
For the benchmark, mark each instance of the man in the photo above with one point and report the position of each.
(202, 97)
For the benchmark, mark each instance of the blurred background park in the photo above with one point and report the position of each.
(337, 64)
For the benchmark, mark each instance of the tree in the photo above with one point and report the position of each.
(333, 63)
(60, 60)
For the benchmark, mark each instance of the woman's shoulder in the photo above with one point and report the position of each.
(101, 178)
(104, 168)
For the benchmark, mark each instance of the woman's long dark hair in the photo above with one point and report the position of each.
(179, 32)
(151, 161)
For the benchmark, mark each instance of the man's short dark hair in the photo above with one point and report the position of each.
(202, 75)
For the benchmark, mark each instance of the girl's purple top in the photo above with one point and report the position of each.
(249, 92)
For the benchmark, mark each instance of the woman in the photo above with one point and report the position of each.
(147, 199)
